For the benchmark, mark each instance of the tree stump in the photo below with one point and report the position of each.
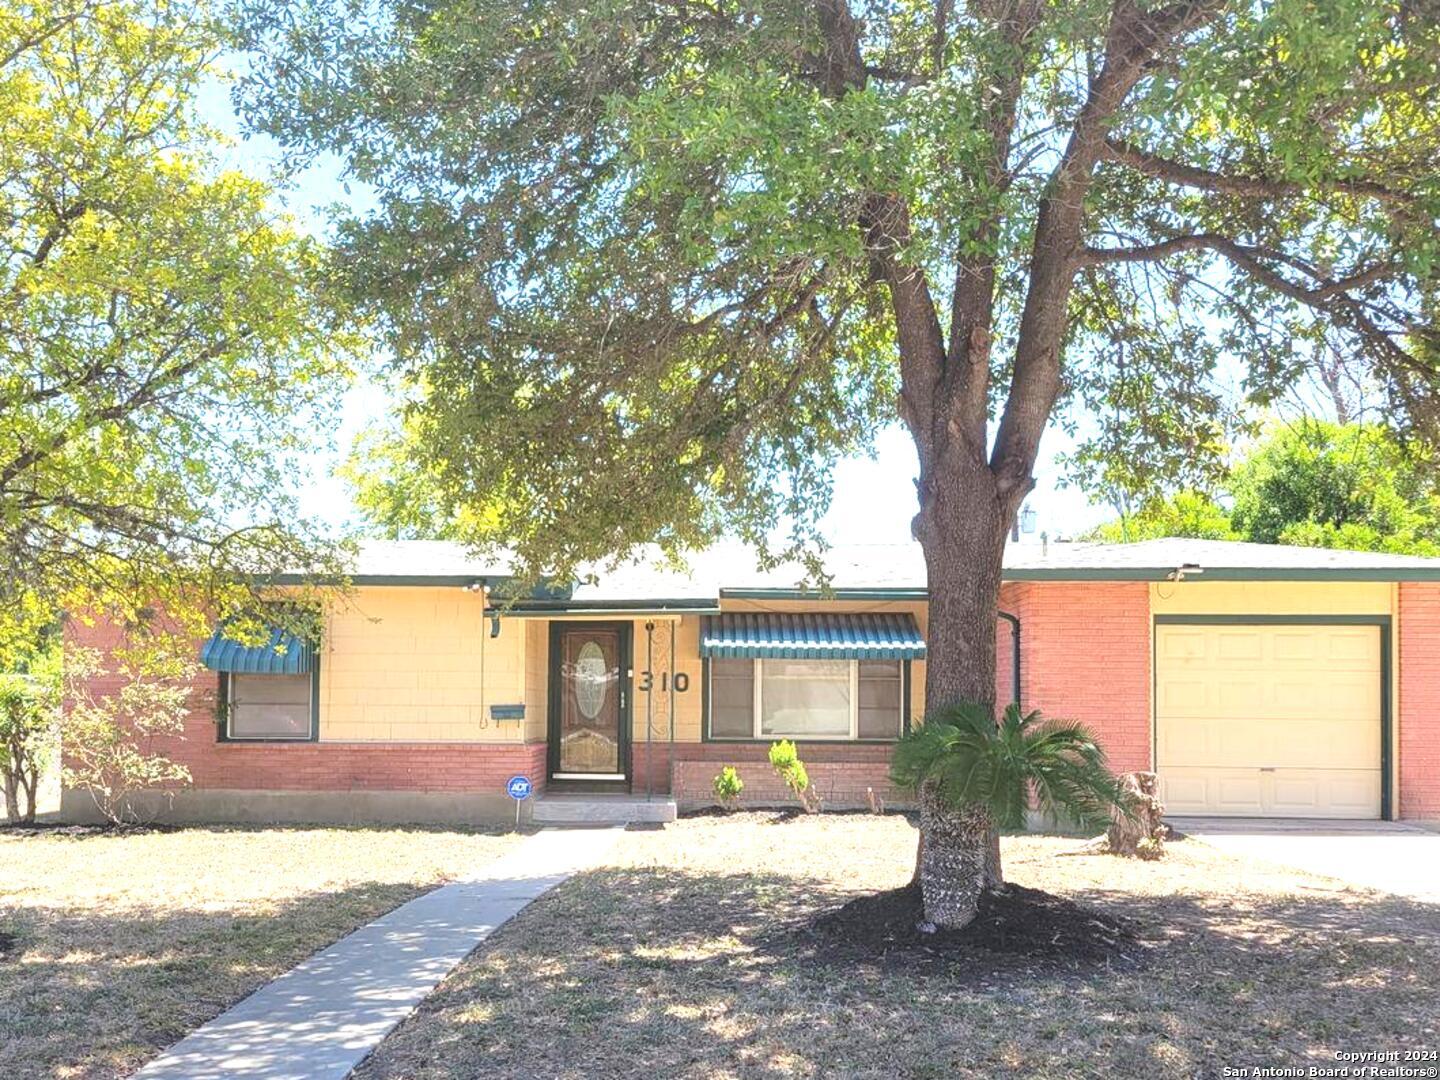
(1142, 832)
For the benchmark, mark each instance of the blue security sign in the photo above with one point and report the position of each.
(518, 787)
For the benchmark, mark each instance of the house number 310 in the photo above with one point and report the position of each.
(681, 682)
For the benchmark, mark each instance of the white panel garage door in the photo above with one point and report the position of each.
(1279, 721)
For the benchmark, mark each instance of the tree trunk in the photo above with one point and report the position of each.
(30, 782)
(12, 800)
(954, 859)
(962, 527)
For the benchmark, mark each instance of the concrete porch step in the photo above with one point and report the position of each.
(601, 809)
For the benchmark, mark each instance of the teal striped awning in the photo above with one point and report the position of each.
(869, 636)
(283, 654)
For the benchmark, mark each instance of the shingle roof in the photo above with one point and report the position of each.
(730, 569)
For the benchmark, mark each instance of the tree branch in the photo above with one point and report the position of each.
(1242, 255)
(1134, 39)
(884, 221)
(1176, 172)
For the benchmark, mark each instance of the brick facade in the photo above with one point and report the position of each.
(1419, 693)
(1085, 655)
(840, 772)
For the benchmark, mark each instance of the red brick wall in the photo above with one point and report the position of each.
(321, 766)
(652, 761)
(840, 772)
(1419, 679)
(1085, 655)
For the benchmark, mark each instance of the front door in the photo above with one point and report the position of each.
(589, 701)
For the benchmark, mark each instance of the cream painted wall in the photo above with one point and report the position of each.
(418, 664)
(1199, 597)
(686, 662)
(537, 673)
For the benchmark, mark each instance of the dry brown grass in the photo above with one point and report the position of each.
(681, 960)
(119, 943)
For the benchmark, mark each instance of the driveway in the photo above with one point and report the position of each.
(1390, 856)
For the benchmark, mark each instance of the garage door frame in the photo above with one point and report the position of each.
(1382, 622)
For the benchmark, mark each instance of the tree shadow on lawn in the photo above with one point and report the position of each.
(659, 971)
(86, 992)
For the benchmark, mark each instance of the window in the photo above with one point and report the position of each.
(732, 699)
(268, 706)
(806, 699)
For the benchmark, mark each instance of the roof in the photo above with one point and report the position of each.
(876, 571)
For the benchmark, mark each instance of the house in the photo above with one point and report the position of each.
(1258, 680)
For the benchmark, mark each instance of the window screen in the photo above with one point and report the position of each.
(882, 697)
(804, 697)
(269, 706)
(732, 698)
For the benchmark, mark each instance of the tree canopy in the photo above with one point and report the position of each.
(1313, 483)
(168, 348)
(651, 267)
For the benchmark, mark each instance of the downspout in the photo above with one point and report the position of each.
(1014, 622)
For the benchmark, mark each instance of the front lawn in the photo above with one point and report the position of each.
(694, 955)
(114, 945)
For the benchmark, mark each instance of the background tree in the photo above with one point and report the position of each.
(1313, 483)
(167, 348)
(1186, 513)
(1322, 484)
(652, 267)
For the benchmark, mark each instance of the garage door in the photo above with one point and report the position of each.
(1256, 720)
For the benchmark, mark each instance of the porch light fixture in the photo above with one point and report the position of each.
(1184, 570)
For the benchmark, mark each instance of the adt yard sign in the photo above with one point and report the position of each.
(518, 787)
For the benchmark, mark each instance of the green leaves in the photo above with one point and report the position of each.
(1312, 483)
(970, 758)
(169, 347)
(1348, 486)
(642, 264)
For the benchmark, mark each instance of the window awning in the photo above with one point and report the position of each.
(869, 636)
(283, 654)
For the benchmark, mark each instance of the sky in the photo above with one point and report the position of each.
(874, 497)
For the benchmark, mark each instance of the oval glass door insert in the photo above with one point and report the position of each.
(592, 680)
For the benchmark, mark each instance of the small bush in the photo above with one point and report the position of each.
(29, 706)
(785, 760)
(727, 786)
(114, 742)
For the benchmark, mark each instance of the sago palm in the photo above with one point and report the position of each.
(973, 775)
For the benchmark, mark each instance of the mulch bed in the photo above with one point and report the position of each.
(1015, 927)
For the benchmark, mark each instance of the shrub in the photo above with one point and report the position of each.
(110, 741)
(727, 786)
(28, 705)
(785, 760)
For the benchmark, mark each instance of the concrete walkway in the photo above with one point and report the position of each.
(1391, 856)
(320, 1019)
